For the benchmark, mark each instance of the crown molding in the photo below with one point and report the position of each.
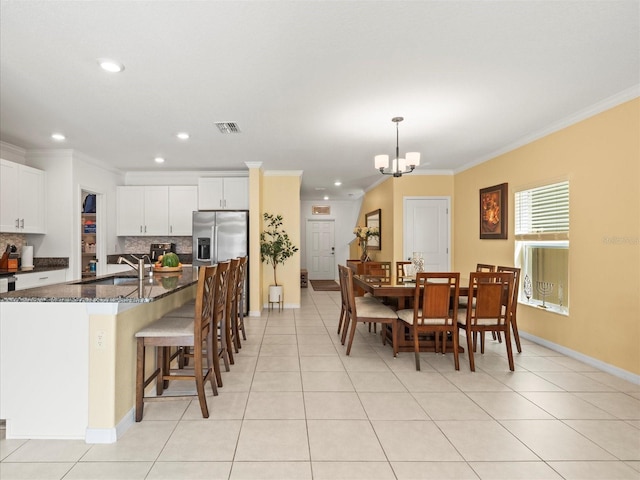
(283, 173)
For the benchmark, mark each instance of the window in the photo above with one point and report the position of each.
(542, 246)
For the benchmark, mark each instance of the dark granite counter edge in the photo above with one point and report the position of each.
(71, 292)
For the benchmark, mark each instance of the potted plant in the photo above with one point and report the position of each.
(275, 248)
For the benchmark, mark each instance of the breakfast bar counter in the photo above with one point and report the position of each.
(68, 356)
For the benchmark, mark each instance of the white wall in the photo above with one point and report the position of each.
(345, 215)
(67, 174)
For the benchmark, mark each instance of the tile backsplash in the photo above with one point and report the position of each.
(17, 239)
(142, 244)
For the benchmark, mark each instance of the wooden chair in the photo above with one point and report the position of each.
(400, 269)
(489, 309)
(514, 302)
(220, 310)
(463, 302)
(193, 332)
(378, 272)
(483, 267)
(435, 310)
(229, 321)
(238, 313)
(343, 321)
(367, 311)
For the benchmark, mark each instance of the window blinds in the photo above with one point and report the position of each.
(542, 213)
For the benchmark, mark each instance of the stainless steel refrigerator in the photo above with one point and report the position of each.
(220, 235)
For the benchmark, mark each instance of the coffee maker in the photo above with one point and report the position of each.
(158, 249)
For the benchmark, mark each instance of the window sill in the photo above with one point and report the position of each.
(558, 310)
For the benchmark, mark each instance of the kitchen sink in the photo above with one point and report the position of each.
(110, 281)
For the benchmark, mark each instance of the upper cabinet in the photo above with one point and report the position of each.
(143, 210)
(22, 203)
(156, 210)
(223, 193)
(183, 200)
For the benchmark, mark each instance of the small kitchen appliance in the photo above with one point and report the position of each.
(158, 249)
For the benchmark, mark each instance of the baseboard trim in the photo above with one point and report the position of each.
(594, 362)
(110, 435)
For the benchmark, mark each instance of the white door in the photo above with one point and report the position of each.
(426, 230)
(321, 258)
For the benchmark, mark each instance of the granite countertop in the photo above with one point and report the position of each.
(92, 290)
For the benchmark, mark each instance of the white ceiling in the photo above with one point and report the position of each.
(312, 85)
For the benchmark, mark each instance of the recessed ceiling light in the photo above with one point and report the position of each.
(158, 160)
(337, 183)
(326, 197)
(182, 135)
(110, 66)
(58, 137)
(319, 189)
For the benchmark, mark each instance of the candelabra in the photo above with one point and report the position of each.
(544, 289)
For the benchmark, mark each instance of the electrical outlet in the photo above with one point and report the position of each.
(101, 339)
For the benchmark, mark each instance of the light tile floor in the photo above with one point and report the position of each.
(295, 407)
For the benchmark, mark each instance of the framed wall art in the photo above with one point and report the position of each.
(494, 202)
(374, 220)
(321, 210)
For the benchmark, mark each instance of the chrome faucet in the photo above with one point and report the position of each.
(139, 267)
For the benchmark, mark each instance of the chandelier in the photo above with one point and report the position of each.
(399, 166)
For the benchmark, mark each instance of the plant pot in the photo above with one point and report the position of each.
(276, 293)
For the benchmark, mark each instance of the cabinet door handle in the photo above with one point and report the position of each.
(145, 229)
(170, 228)
(17, 223)
(140, 228)
(22, 223)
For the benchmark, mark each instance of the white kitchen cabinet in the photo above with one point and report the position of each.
(40, 279)
(143, 210)
(22, 203)
(183, 200)
(223, 193)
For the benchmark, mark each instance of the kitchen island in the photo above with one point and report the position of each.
(68, 353)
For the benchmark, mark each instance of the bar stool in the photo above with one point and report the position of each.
(169, 331)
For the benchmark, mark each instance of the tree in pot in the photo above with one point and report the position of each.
(275, 248)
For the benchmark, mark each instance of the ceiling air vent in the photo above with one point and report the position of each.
(228, 127)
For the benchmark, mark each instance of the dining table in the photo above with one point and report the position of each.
(402, 290)
(400, 293)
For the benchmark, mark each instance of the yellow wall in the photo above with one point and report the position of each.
(281, 196)
(388, 196)
(380, 197)
(255, 225)
(600, 157)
